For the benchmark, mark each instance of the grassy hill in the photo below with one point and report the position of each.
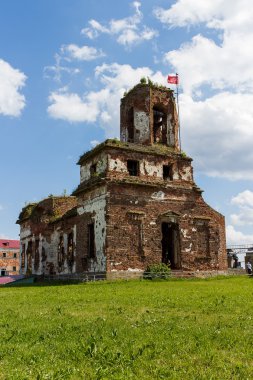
(176, 329)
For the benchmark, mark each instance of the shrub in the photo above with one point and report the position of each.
(157, 271)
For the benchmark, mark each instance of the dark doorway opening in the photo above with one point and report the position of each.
(170, 245)
(3, 272)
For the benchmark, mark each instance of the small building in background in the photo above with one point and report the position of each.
(9, 257)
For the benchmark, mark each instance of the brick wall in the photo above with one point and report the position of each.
(10, 261)
(134, 229)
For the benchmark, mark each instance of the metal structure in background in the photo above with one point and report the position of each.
(239, 250)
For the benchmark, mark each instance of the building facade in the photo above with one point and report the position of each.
(9, 257)
(137, 203)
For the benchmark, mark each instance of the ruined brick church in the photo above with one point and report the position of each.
(136, 204)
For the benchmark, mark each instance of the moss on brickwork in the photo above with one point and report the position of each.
(53, 209)
(154, 149)
(26, 212)
(149, 84)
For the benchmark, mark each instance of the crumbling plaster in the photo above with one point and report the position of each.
(101, 166)
(97, 207)
(151, 168)
(50, 245)
(141, 126)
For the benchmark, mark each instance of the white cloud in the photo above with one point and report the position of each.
(12, 80)
(66, 56)
(102, 105)
(130, 37)
(128, 30)
(186, 12)
(217, 83)
(83, 53)
(244, 201)
(245, 198)
(243, 218)
(94, 143)
(237, 237)
(71, 107)
(218, 133)
(218, 14)
(58, 69)
(94, 29)
(202, 61)
(1, 207)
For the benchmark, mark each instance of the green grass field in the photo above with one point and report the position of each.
(176, 329)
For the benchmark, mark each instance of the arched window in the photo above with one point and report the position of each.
(159, 125)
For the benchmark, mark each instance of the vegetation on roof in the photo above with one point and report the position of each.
(30, 208)
(156, 149)
(27, 211)
(144, 82)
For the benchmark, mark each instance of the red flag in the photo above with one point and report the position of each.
(173, 79)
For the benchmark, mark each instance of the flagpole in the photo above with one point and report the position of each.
(178, 116)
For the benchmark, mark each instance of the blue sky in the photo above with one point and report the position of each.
(65, 64)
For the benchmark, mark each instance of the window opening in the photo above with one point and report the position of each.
(37, 255)
(167, 172)
(93, 169)
(133, 167)
(70, 250)
(91, 240)
(29, 252)
(4, 254)
(159, 126)
(43, 254)
(23, 257)
(14, 269)
(14, 255)
(130, 125)
(61, 252)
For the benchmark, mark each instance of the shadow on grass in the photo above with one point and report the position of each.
(45, 283)
(41, 284)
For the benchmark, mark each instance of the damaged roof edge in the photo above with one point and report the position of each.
(28, 209)
(155, 149)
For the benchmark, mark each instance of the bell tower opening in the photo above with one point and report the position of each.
(130, 125)
(148, 116)
(159, 125)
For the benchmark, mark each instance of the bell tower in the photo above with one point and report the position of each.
(148, 116)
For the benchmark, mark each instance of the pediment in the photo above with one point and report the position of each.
(170, 216)
(170, 213)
